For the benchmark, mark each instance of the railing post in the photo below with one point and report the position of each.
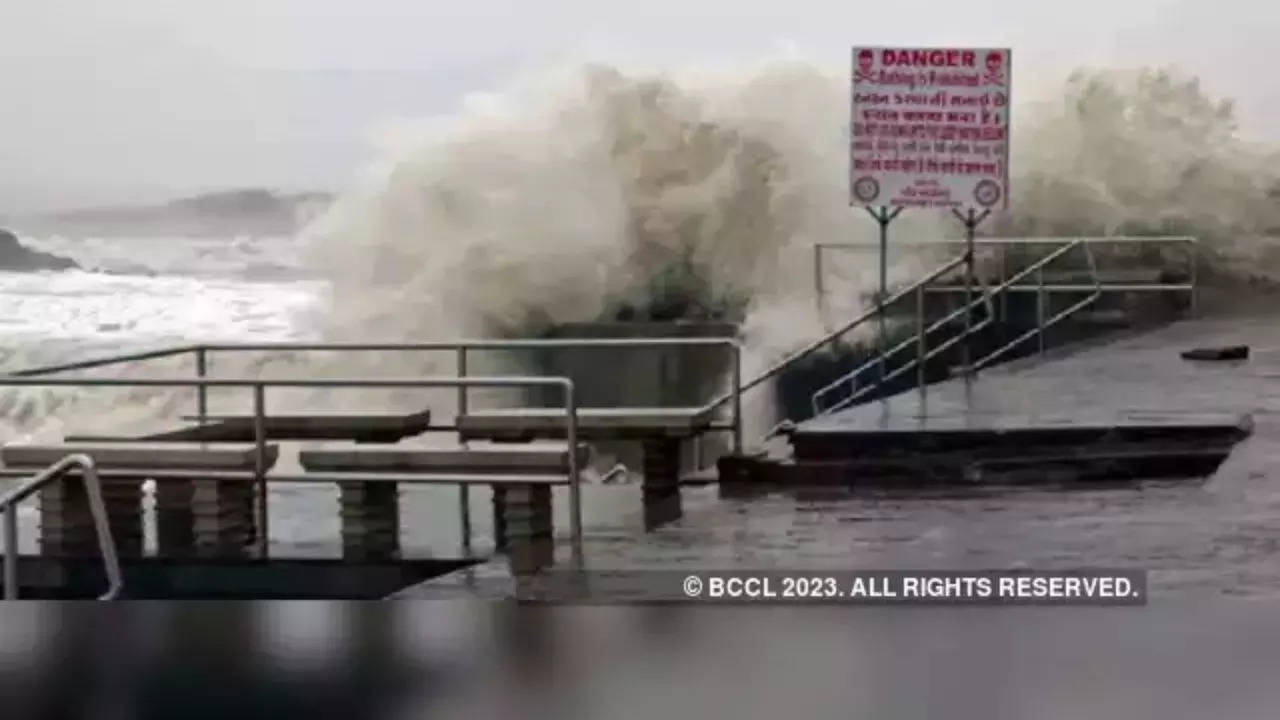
(922, 341)
(102, 525)
(818, 290)
(11, 552)
(966, 350)
(464, 491)
(1004, 274)
(1040, 302)
(462, 373)
(575, 478)
(202, 397)
(737, 398)
(1195, 262)
(259, 464)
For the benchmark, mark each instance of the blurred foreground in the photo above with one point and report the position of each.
(444, 659)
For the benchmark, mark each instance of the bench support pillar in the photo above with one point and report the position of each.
(370, 514)
(222, 517)
(175, 518)
(522, 526)
(66, 522)
(521, 514)
(661, 484)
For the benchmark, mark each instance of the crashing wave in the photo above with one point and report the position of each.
(597, 193)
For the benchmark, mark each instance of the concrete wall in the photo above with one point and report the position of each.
(652, 377)
(640, 377)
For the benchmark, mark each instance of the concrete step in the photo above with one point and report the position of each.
(1115, 464)
(525, 424)
(831, 439)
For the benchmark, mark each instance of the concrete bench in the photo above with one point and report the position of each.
(523, 424)
(195, 514)
(149, 456)
(361, 426)
(516, 461)
(521, 480)
(660, 431)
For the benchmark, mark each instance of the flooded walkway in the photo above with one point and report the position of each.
(1211, 537)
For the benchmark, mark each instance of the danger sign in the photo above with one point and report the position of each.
(930, 127)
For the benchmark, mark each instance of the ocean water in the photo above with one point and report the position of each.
(199, 289)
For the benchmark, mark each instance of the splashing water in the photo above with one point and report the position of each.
(594, 193)
(587, 190)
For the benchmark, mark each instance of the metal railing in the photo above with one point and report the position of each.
(1042, 300)
(834, 335)
(101, 523)
(1010, 284)
(919, 341)
(1003, 244)
(461, 348)
(925, 353)
(259, 386)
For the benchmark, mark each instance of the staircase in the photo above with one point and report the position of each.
(966, 338)
(941, 326)
(1027, 295)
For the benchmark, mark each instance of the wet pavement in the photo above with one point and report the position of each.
(1212, 537)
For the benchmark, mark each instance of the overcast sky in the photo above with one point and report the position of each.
(109, 101)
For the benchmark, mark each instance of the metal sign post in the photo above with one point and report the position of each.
(971, 219)
(883, 216)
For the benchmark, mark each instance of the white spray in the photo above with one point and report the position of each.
(562, 199)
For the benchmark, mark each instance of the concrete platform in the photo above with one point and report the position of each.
(865, 435)
(1128, 408)
(593, 423)
(1137, 379)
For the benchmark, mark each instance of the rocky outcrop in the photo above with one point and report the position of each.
(221, 214)
(16, 257)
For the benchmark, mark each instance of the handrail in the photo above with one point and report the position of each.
(880, 357)
(902, 369)
(1078, 288)
(461, 347)
(468, 343)
(825, 340)
(93, 488)
(1189, 287)
(1033, 267)
(1041, 323)
(914, 362)
(1088, 239)
(983, 299)
(104, 361)
(1033, 332)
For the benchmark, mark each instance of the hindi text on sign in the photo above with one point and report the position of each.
(930, 127)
